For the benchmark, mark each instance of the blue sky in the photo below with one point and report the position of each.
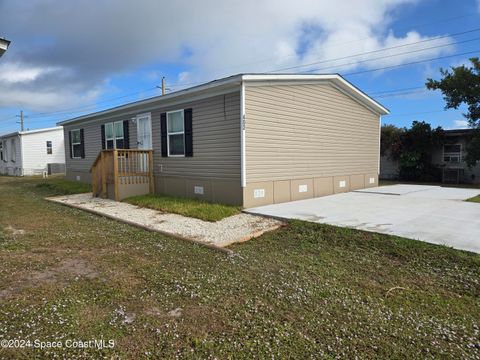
(66, 60)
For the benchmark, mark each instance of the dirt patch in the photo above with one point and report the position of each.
(61, 273)
(14, 231)
(175, 312)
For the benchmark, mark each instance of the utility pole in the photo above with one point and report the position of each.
(22, 120)
(164, 89)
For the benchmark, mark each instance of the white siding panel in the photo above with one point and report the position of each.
(35, 157)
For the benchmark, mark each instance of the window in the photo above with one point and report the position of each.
(175, 133)
(452, 153)
(49, 147)
(76, 144)
(1, 150)
(114, 135)
(13, 151)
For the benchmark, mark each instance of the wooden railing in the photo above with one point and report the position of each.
(116, 173)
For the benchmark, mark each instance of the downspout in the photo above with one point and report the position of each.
(379, 142)
(243, 170)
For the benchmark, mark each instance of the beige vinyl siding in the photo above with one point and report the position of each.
(299, 131)
(216, 140)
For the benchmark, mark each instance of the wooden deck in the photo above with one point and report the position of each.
(120, 173)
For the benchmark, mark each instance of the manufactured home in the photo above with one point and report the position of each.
(32, 152)
(248, 139)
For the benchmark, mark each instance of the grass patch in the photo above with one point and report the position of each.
(188, 207)
(61, 186)
(475, 199)
(304, 291)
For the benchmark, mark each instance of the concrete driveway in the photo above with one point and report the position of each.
(434, 214)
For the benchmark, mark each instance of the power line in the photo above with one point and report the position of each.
(63, 112)
(390, 56)
(400, 93)
(354, 41)
(76, 110)
(411, 63)
(381, 50)
(68, 112)
(100, 102)
(394, 90)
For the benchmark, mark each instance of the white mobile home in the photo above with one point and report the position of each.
(32, 152)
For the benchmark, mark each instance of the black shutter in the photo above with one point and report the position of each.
(82, 144)
(103, 136)
(70, 143)
(163, 132)
(187, 116)
(126, 135)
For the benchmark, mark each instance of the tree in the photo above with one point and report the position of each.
(418, 143)
(390, 140)
(413, 149)
(460, 86)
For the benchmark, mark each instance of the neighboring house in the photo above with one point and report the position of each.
(250, 139)
(449, 157)
(32, 152)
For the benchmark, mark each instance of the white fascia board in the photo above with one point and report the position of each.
(335, 78)
(26, 132)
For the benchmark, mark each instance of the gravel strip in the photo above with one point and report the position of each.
(233, 229)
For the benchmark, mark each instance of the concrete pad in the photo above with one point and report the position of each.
(399, 189)
(425, 191)
(219, 234)
(437, 215)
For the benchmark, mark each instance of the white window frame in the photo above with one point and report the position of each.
(49, 147)
(74, 143)
(13, 153)
(452, 154)
(176, 133)
(114, 137)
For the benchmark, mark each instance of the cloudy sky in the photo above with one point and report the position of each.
(69, 58)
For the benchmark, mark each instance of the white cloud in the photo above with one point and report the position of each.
(16, 73)
(208, 39)
(459, 124)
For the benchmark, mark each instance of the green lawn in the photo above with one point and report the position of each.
(304, 291)
(475, 199)
(56, 185)
(187, 207)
